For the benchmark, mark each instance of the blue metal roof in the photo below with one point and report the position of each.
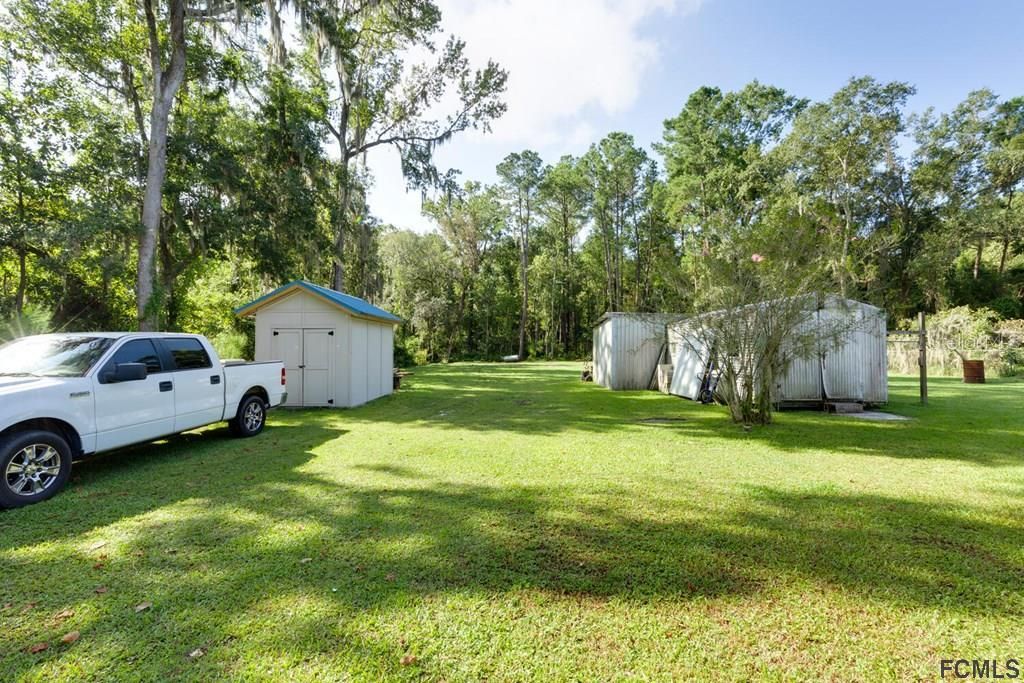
(351, 304)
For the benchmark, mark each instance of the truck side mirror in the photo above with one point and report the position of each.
(126, 372)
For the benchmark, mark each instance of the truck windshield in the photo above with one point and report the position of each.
(51, 355)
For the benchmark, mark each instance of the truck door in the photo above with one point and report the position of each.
(133, 412)
(198, 392)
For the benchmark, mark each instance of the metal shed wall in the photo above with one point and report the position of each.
(689, 357)
(626, 348)
(856, 371)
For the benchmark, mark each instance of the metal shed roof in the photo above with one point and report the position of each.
(350, 304)
(663, 318)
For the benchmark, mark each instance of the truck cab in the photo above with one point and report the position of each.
(65, 396)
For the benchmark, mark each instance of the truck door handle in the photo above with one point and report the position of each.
(214, 379)
(166, 386)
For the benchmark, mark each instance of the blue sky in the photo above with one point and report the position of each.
(582, 68)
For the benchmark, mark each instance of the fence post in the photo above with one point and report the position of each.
(922, 356)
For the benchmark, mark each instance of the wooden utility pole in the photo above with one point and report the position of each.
(922, 357)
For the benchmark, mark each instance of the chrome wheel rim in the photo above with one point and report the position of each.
(253, 416)
(33, 469)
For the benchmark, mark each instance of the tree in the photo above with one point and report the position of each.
(167, 77)
(107, 53)
(1005, 165)
(835, 152)
(617, 171)
(563, 198)
(762, 291)
(470, 221)
(33, 173)
(521, 175)
(420, 273)
(720, 175)
(376, 101)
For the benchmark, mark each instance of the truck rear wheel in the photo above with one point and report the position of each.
(250, 418)
(34, 466)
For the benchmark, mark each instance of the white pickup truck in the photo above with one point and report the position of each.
(65, 396)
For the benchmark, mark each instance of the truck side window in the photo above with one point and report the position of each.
(188, 353)
(136, 351)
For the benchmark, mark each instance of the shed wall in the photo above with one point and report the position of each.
(362, 352)
(802, 381)
(373, 342)
(626, 349)
(603, 353)
(859, 369)
(689, 357)
(856, 371)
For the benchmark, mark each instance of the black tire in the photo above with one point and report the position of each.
(706, 396)
(34, 466)
(250, 418)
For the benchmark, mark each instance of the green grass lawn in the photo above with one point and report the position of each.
(507, 522)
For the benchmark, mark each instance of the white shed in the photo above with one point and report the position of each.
(855, 371)
(338, 350)
(627, 348)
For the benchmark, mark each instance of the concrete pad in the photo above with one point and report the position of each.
(877, 416)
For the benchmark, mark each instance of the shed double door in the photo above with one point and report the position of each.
(307, 355)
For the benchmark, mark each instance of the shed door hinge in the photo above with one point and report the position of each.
(331, 401)
(275, 333)
(330, 333)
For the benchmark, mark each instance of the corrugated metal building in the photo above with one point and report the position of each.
(338, 350)
(627, 347)
(856, 370)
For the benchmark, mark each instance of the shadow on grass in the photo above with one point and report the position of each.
(316, 554)
(209, 464)
(245, 542)
(977, 423)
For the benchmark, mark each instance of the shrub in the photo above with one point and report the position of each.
(963, 329)
(33, 320)
(232, 344)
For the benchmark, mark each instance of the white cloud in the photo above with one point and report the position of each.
(569, 62)
(564, 57)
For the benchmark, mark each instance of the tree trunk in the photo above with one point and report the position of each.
(168, 275)
(846, 250)
(19, 297)
(459, 319)
(341, 225)
(165, 88)
(152, 208)
(524, 307)
(977, 258)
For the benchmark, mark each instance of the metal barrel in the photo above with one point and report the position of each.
(974, 372)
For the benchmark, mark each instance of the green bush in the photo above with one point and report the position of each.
(1012, 362)
(963, 328)
(232, 344)
(1007, 307)
(33, 320)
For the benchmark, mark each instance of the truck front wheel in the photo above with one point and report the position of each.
(34, 466)
(250, 418)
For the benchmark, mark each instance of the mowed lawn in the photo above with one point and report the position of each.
(507, 522)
